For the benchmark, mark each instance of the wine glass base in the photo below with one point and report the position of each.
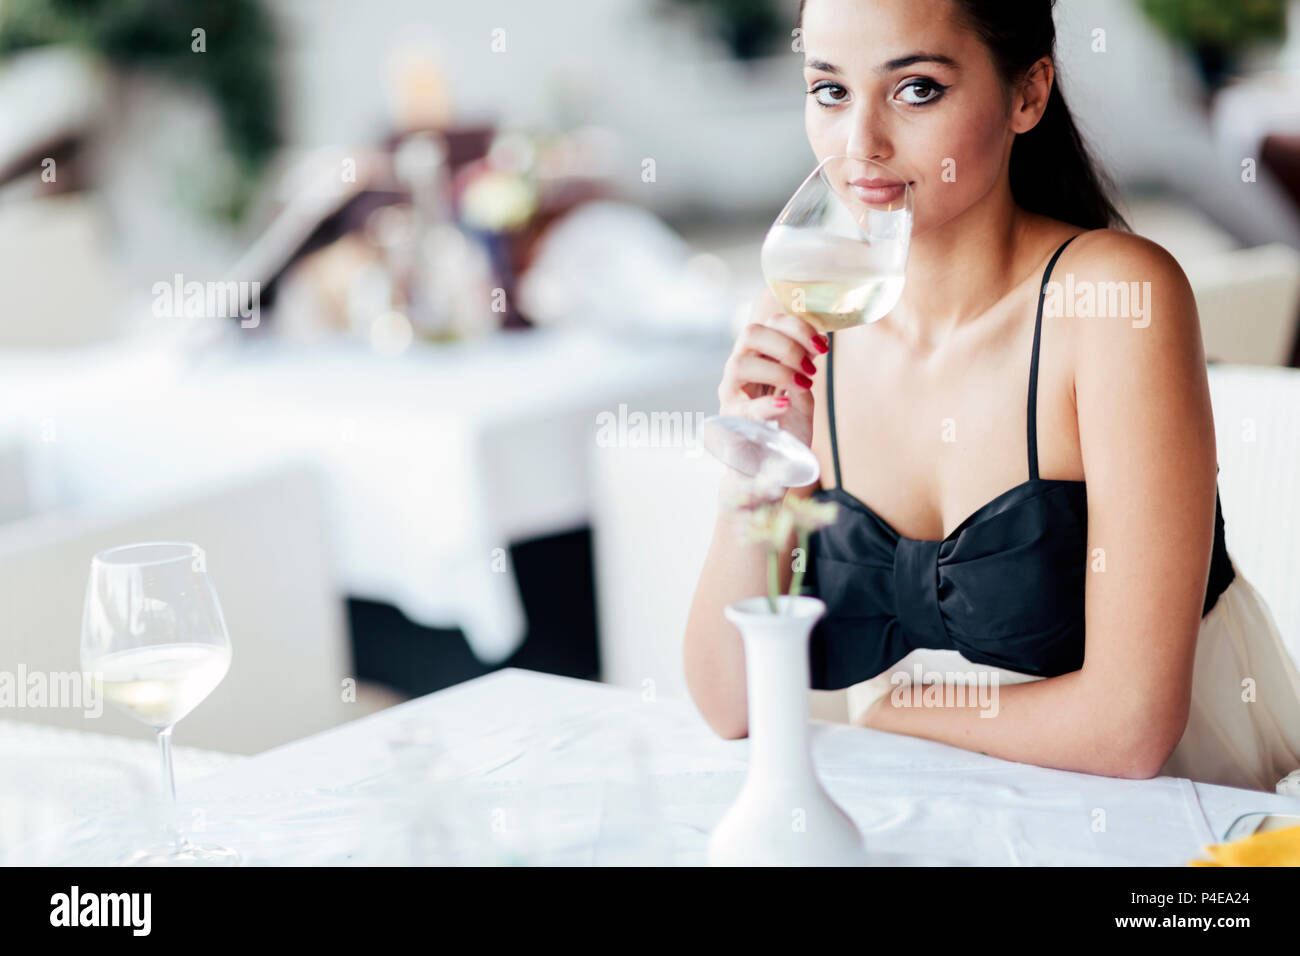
(760, 450)
(184, 853)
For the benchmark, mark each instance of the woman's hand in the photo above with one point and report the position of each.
(774, 351)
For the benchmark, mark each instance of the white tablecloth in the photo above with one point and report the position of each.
(54, 776)
(434, 462)
(521, 767)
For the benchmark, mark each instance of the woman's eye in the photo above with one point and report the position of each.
(824, 94)
(921, 92)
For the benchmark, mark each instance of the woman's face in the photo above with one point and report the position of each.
(903, 82)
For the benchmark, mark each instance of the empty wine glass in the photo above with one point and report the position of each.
(154, 640)
(835, 257)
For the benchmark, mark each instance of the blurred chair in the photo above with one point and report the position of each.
(15, 489)
(1257, 428)
(268, 555)
(654, 511)
(1249, 303)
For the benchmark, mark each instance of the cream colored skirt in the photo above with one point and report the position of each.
(1243, 729)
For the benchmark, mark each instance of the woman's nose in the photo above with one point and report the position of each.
(868, 137)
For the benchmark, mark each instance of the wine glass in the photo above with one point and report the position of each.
(835, 257)
(154, 640)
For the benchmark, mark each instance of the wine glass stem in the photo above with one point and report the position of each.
(173, 826)
(169, 779)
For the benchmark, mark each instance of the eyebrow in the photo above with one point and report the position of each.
(900, 63)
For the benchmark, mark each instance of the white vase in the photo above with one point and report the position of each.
(782, 817)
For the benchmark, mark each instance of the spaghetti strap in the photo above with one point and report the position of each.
(830, 404)
(1031, 415)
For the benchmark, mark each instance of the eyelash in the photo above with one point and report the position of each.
(938, 88)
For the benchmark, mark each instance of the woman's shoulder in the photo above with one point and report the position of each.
(1117, 255)
(1114, 274)
(1126, 298)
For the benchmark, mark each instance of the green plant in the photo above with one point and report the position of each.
(235, 68)
(1225, 24)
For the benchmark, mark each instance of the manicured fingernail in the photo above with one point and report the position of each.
(782, 402)
(803, 381)
(809, 367)
(822, 344)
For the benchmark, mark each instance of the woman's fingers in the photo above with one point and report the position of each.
(750, 369)
(769, 406)
(773, 343)
(770, 372)
(771, 313)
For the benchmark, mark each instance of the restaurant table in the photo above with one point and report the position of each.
(520, 767)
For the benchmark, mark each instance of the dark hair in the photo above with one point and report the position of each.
(1052, 172)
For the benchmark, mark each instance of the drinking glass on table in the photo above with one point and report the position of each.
(154, 640)
(835, 257)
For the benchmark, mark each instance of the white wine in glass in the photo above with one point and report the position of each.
(154, 640)
(159, 685)
(835, 257)
(833, 284)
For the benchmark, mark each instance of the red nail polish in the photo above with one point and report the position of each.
(809, 367)
(803, 381)
(823, 346)
(782, 402)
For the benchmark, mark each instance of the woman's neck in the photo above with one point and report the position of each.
(959, 271)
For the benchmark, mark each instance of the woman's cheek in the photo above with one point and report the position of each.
(819, 129)
(964, 169)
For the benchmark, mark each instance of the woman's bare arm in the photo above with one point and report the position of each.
(770, 352)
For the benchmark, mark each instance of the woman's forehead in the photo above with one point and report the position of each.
(868, 35)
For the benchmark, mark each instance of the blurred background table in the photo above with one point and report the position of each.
(434, 462)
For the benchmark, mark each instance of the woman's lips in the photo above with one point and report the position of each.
(878, 191)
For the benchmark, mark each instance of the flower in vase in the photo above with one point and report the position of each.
(769, 524)
(809, 515)
(770, 521)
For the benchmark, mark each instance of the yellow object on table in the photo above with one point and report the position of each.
(1274, 848)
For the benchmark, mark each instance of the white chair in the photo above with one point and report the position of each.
(268, 554)
(1257, 428)
(653, 512)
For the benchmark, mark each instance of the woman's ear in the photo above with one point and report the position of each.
(1030, 101)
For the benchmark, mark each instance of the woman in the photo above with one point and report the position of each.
(1026, 471)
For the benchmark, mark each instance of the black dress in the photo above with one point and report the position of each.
(1004, 588)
